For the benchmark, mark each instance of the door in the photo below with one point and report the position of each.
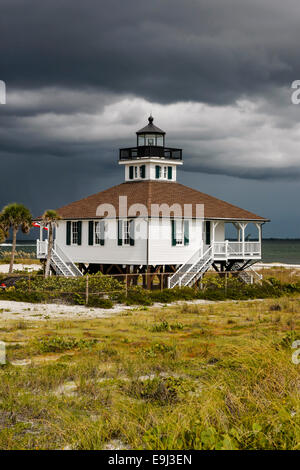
(207, 232)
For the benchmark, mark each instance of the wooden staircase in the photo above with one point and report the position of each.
(62, 264)
(192, 270)
(248, 276)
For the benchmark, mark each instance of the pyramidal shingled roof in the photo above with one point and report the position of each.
(156, 192)
(150, 128)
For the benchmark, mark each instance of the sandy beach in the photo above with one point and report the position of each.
(11, 310)
(20, 267)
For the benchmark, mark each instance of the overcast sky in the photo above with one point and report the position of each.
(83, 76)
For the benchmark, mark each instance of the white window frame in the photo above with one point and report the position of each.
(159, 172)
(179, 233)
(97, 232)
(74, 232)
(126, 233)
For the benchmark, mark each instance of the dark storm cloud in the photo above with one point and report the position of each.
(170, 50)
(83, 76)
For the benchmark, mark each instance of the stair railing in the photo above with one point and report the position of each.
(188, 266)
(66, 260)
(206, 258)
(184, 268)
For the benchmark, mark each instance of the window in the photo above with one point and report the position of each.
(165, 172)
(180, 233)
(159, 141)
(157, 171)
(75, 232)
(99, 232)
(126, 232)
(135, 171)
(142, 171)
(141, 140)
(179, 238)
(150, 139)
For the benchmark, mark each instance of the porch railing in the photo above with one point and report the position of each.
(41, 248)
(228, 249)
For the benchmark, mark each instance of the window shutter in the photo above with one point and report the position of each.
(91, 232)
(131, 232)
(143, 171)
(157, 171)
(207, 232)
(170, 171)
(102, 232)
(173, 232)
(120, 232)
(79, 232)
(68, 233)
(186, 232)
(131, 169)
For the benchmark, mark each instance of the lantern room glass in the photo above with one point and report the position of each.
(151, 140)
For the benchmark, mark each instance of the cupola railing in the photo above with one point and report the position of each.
(136, 153)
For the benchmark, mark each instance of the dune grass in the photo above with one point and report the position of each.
(190, 376)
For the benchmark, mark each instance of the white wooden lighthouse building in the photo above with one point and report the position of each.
(150, 224)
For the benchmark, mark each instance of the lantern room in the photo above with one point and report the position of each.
(151, 135)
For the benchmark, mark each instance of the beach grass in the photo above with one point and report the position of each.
(188, 376)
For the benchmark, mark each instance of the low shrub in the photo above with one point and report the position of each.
(98, 302)
(159, 349)
(20, 296)
(289, 338)
(166, 326)
(60, 343)
(135, 296)
(160, 390)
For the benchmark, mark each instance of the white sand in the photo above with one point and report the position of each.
(276, 265)
(11, 310)
(20, 267)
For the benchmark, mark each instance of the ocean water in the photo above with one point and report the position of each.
(273, 250)
(281, 251)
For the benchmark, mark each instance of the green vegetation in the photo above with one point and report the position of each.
(103, 291)
(189, 376)
(15, 217)
(67, 290)
(3, 234)
(24, 255)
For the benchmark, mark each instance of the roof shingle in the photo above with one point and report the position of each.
(156, 192)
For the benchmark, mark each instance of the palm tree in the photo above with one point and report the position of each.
(50, 219)
(3, 233)
(15, 216)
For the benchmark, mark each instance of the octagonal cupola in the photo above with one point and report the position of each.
(150, 159)
(150, 135)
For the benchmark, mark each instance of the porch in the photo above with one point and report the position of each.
(239, 246)
(236, 250)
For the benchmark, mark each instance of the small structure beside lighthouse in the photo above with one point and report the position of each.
(150, 224)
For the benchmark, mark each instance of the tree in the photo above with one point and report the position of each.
(3, 233)
(15, 217)
(50, 219)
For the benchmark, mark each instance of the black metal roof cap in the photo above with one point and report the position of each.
(150, 128)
